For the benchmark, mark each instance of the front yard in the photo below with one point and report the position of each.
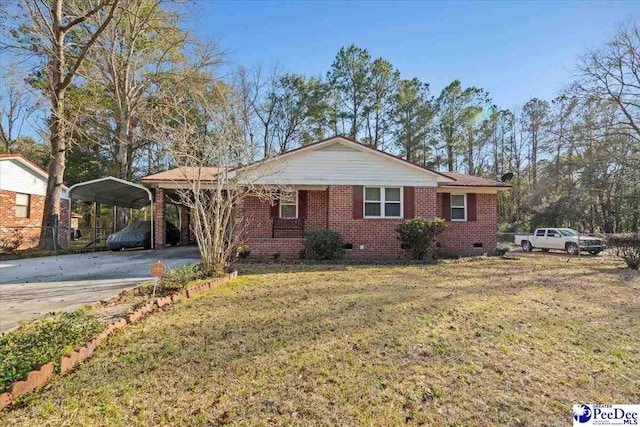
(472, 343)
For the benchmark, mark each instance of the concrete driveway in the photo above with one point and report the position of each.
(30, 288)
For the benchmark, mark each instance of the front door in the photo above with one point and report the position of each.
(554, 239)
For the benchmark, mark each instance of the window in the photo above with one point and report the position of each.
(289, 205)
(383, 202)
(458, 207)
(22, 205)
(553, 233)
(540, 232)
(569, 232)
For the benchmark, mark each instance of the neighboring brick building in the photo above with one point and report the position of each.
(342, 185)
(23, 187)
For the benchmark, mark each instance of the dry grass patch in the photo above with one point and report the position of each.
(489, 341)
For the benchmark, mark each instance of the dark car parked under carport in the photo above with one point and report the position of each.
(138, 235)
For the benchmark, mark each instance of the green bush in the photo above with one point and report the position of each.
(179, 277)
(242, 252)
(323, 245)
(418, 236)
(174, 280)
(627, 247)
(43, 340)
(502, 249)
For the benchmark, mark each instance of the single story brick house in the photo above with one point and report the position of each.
(23, 187)
(340, 184)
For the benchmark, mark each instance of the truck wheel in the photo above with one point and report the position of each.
(526, 246)
(572, 249)
(594, 252)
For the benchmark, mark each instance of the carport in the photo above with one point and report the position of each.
(114, 192)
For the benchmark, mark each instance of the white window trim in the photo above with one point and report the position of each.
(382, 202)
(28, 206)
(466, 207)
(288, 204)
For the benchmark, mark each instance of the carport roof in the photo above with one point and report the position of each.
(112, 191)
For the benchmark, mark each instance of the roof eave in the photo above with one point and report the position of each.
(459, 187)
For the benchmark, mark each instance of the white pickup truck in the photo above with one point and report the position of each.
(564, 239)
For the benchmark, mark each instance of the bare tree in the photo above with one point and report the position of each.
(264, 102)
(17, 105)
(613, 73)
(535, 122)
(206, 138)
(51, 31)
(141, 53)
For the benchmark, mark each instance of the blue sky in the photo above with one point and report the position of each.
(515, 50)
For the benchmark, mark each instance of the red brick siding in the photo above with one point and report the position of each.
(257, 215)
(377, 236)
(316, 210)
(159, 224)
(460, 236)
(425, 200)
(287, 248)
(29, 228)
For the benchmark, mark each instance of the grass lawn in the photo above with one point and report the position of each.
(474, 343)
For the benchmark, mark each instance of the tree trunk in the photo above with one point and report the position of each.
(51, 211)
(123, 160)
(534, 158)
(470, 165)
(450, 155)
(60, 78)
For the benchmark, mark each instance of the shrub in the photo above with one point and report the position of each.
(323, 245)
(12, 242)
(174, 280)
(418, 236)
(179, 277)
(627, 247)
(242, 252)
(502, 249)
(44, 340)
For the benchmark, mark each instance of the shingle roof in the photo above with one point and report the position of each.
(183, 174)
(463, 180)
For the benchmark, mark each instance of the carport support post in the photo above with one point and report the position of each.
(96, 221)
(159, 222)
(184, 225)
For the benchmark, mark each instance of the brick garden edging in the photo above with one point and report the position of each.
(39, 377)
